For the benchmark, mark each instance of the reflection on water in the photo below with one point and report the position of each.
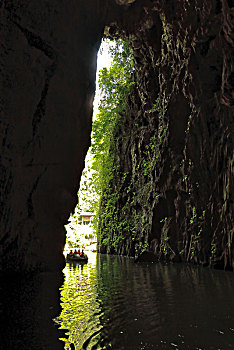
(113, 303)
(81, 309)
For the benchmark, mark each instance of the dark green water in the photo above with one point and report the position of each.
(113, 303)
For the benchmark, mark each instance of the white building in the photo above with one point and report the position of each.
(86, 218)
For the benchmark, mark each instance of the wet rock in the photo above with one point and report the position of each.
(176, 258)
(146, 257)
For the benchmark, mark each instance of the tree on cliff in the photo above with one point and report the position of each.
(114, 84)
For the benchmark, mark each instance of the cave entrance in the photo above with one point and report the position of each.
(112, 66)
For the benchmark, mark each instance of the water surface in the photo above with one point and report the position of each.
(113, 303)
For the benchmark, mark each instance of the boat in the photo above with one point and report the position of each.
(77, 258)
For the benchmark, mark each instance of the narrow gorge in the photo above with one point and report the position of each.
(172, 189)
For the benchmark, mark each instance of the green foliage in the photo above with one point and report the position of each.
(164, 220)
(87, 194)
(115, 84)
(122, 188)
(213, 250)
(193, 218)
(143, 246)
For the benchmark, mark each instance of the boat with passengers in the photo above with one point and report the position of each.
(78, 256)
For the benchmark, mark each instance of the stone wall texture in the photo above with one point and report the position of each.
(175, 147)
(181, 108)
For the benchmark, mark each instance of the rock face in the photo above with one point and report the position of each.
(180, 108)
(174, 150)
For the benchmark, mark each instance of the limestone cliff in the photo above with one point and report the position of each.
(178, 146)
(174, 186)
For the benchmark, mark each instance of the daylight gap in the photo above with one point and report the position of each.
(80, 230)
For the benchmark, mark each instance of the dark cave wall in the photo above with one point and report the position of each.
(183, 60)
(48, 66)
(177, 159)
(196, 176)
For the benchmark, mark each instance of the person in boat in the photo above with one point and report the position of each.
(71, 252)
(82, 253)
(79, 251)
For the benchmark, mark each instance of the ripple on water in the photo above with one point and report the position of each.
(112, 303)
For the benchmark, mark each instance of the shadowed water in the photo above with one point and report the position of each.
(113, 303)
(28, 304)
